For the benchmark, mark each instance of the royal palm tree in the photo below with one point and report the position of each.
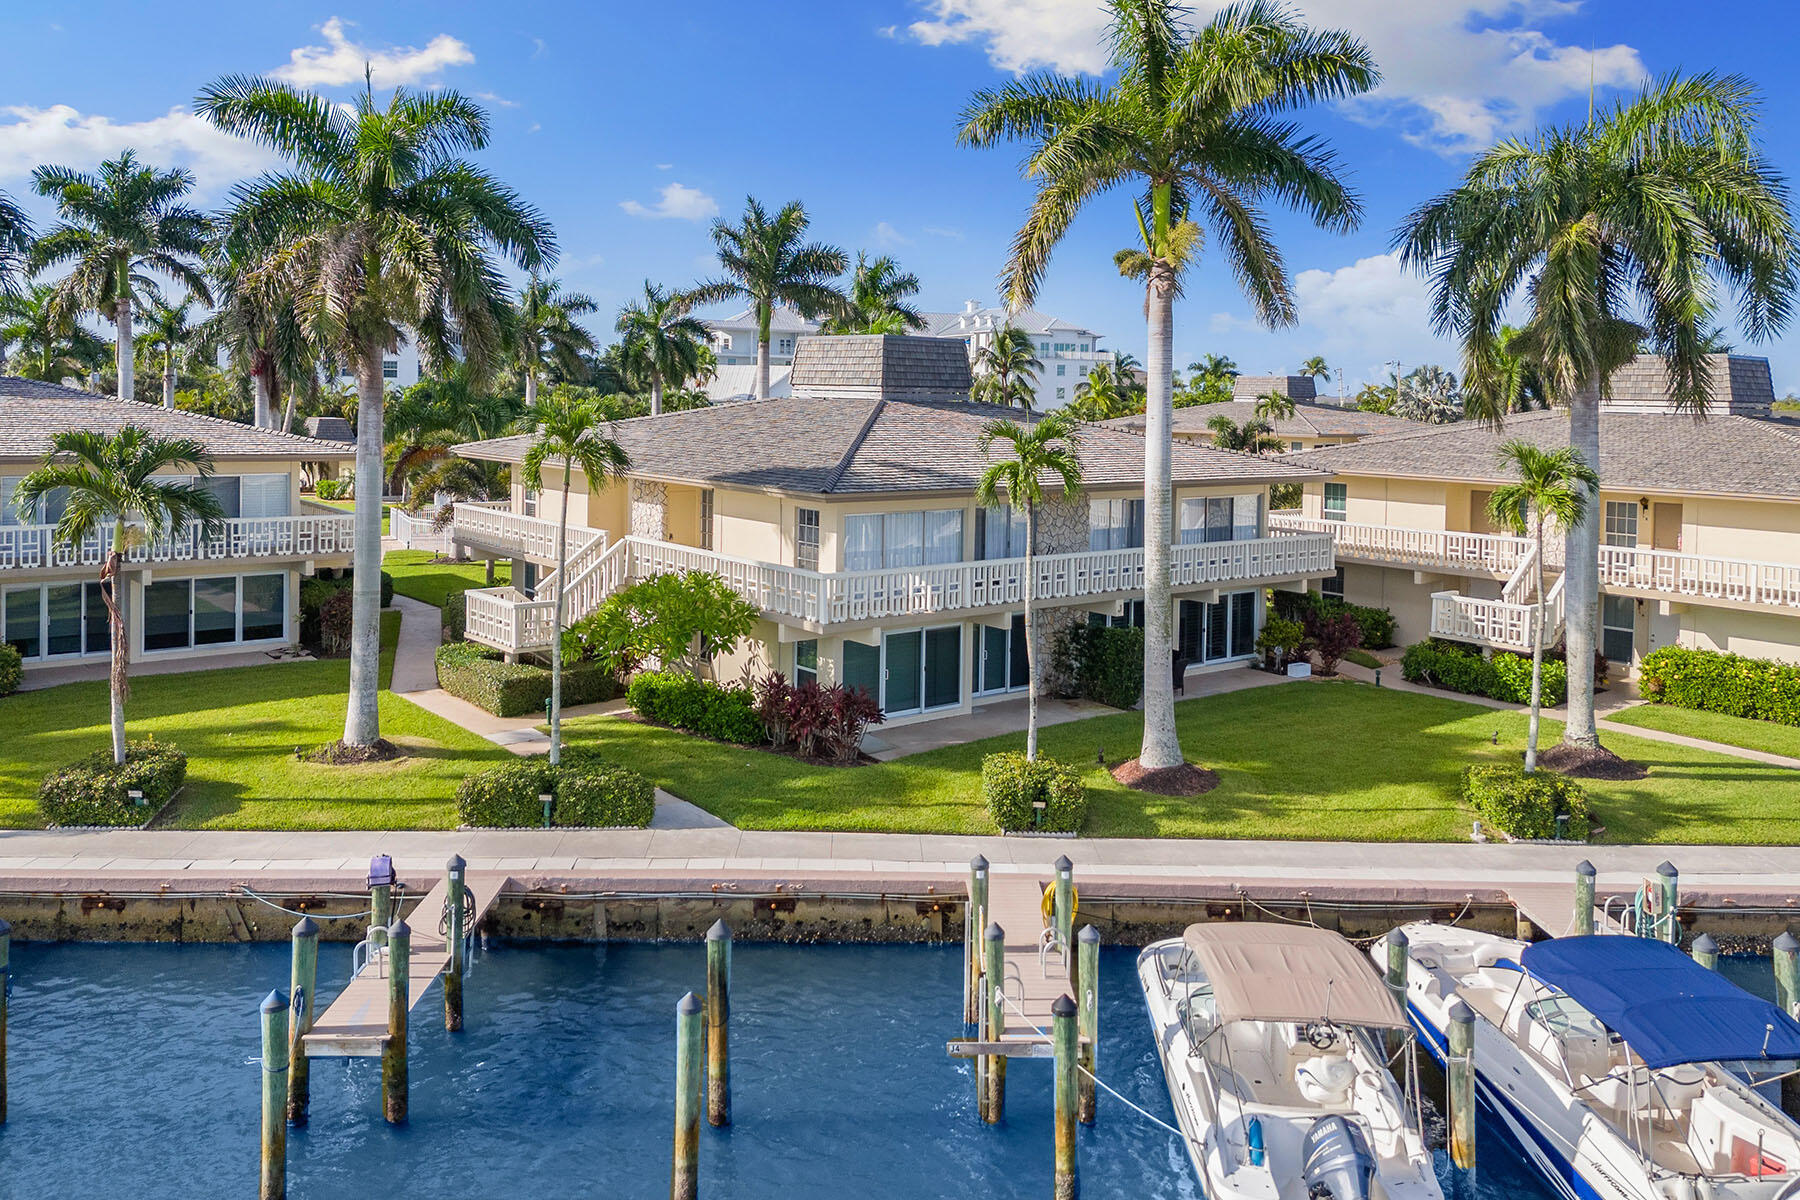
(15, 250)
(878, 299)
(257, 323)
(1043, 449)
(1636, 213)
(1193, 123)
(1102, 396)
(662, 340)
(167, 333)
(1316, 367)
(116, 227)
(767, 263)
(120, 480)
(1253, 435)
(569, 432)
(1552, 488)
(1006, 369)
(47, 342)
(543, 327)
(1515, 385)
(380, 225)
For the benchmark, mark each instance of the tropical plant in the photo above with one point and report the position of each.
(766, 262)
(1377, 397)
(167, 333)
(15, 250)
(1274, 406)
(1316, 367)
(1006, 368)
(662, 340)
(1250, 436)
(1638, 212)
(1193, 121)
(255, 322)
(46, 342)
(542, 330)
(117, 486)
(1428, 393)
(1043, 449)
(1105, 394)
(1215, 368)
(381, 224)
(1516, 385)
(1551, 487)
(878, 300)
(115, 228)
(570, 432)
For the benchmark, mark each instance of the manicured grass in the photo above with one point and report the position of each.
(1766, 736)
(1362, 658)
(350, 506)
(1330, 760)
(239, 727)
(425, 576)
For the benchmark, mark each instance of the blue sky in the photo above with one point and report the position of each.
(631, 125)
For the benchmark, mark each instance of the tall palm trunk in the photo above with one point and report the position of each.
(110, 584)
(530, 385)
(169, 380)
(1031, 655)
(1161, 747)
(656, 392)
(1581, 579)
(362, 719)
(1537, 660)
(556, 624)
(259, 385)
(287, 410)
(122, 350)
(762, 353)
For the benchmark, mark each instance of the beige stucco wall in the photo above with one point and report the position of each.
(1374, 500)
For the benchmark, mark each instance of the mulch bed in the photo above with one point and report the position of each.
(1590, 762)
(338, 754)
(1185, 780)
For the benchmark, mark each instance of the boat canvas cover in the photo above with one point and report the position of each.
(1668, 1008)
(1266, 972)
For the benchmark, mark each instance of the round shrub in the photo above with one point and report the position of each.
(1525, 805)
(94, 790)
(596, 793)
(726, 714)
(1011, 785)
(12, 669)
(587, 791)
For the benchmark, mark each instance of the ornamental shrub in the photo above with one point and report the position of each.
(477, 674)
(1512, 679)
(587, 791)
(316, 591)
(1459, 667)
(670, 618)
(1333, 635)
(1757, 688)
(94, 790)
(1102, 662)
(1525, 805)
(12, 669)
(726, 714)
(455, 617)
(1010, 785)
(1376, 624)
(1280, 641)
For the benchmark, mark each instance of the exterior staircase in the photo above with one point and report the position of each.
(1506, 623)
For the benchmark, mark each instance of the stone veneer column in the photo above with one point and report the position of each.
(1062, 529)
(649, 505)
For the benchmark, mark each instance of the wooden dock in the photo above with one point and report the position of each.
(356, 1024)
(1551, 908)
(1015, 902)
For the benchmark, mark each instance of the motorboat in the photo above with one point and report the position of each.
(1622, 1068)
(1273, 1039)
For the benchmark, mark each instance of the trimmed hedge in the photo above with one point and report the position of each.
(1103, 662)
(726, 714)
(1377, 624)
(588, 791)
(1507, 798)
(1461, 668)
(94, 790)
(12, 669)
(479, 675)
(1757, 688)
(1010, 784)
(455, 617)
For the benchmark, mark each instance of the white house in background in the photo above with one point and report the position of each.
(734, 337)
(738, 382)
(400, 368)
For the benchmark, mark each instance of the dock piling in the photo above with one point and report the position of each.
(302, 981)
(993, 1106)
(1460, 1067)
(1397, 944)
(5, 977)
(1670, 881)
(1064, 1038)
(454, 932)
(974, 921)
(1787, 971)
(1706, 951)
(1063, 913)
(1585, 876)
(1087, 958)
(684, 1173)
(381, 898)
(393, 1051)
(718, 1025)
(273, 1181)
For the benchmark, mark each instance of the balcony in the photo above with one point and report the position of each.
(1451, 550)
(1736, 582)
(34, 547)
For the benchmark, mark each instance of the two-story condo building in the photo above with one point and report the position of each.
(846, 513)
(191, 593)
(1700, 533)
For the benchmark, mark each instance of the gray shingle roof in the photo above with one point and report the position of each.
(1309, 420)
(31, 411)
(1740, 385)
(1254, 387)
(964, 323)
(782, 319)
(1648, 452)
(874, 366)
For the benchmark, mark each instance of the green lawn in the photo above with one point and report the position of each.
(425, 576)
(239, 727)
(1322, 760)
(350, 506)
(1714, 727)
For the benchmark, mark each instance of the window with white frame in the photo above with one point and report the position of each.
(806, 538)
(785, 346)
(390, 368)
(1219, 519)
(529, 505)
(1115, 524)
(873, 541)
(1621, 523)
(1337, 501)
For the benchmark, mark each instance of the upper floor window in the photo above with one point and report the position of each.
(1084, 347)
(390, 368)
(1337, 501)
(1062, 368)
(1621, 523)
(1295, 446)
(785, 346)
(1043, 347)
(1000, 533)
(806, 538)
(1220, 519)
(902, 539)
(529, 506)
(706, 518)
(722, 340)
(1115, 524)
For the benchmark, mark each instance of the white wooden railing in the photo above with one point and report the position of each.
(1742, 580)
(512, 534)
(1497, 553)
(415, 531)
(1501, 624)
(30, 547)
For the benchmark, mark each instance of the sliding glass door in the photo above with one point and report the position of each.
(1219, 631)
(921, 669)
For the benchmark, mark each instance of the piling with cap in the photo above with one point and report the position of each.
(1087, 961)
(1705, 951)
(381, 898)
(1460, 1067)
(302, 979)
(1397, 944)
(993, 1106)
(1063, 912)
(393, 1051)
(718, 1025)
(273, 1183)
(1584, 897)
(684, 1171)
(1787, 971)
(974, 921)
(454, 932)
(1063, 1037)
(5, 977)
(1670, 881)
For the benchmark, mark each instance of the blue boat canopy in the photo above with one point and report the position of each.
(1668, 1008)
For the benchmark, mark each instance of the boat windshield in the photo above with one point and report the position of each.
(1562, 1016)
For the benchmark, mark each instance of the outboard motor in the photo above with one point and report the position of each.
(1335, 1161)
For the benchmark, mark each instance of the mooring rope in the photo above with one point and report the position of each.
(367, 912)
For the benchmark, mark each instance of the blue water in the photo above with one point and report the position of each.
(134, 1076)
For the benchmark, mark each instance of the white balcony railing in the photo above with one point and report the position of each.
(1501, 624)
(513, 534)
(416, 531)
(1494, 553)
(1670, 572)
(33, 547)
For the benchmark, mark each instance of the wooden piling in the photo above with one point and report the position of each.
(1585, 876)
(1397, 944)
(5, 978)
(1787, 971)
(273, 1183)
(381, 912)
(994, 1098)
(393, 1051)
(684, 1173)
(718, 1025)
(1670, 881)
(1087, 957)
(302, 980)
(1063, 913)
(1460, 1068)
(1063, 1036)
(974, 921)
(456, 928)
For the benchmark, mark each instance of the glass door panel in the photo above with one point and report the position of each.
(99, 621)
(215, 611)
(994, 659)
(1218, 630)
(943, 666)
(64, 610)
(862, 668)
(1243, 623)
(1193, 630)
(24, 615)
(902, 662)
(1019, 668)
(166, 614)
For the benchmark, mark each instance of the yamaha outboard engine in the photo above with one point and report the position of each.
(1336, 1163)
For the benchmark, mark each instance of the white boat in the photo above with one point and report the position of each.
(1272, 1040)
(1614, 1062)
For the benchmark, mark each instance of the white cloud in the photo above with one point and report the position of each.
(340, 61)
(943, 231)
(61, 134)
(665, 166)
(887, 236)
(1221, 323)
(1021, 35)
(678, 202)
(496, 99)
(1371, 305)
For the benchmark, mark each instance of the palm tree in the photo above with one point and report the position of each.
(120, 480)
(1316, 367)
(1274, 406)
(877, 303)
(1194, 123)
(381, 225)
(1102, 396)
(15, 250)
(1006, 369)
(1428, 393)
(1251, 436)
(1639, 211)
(434, 414)
(1516, 386)
(50, 344)
(1552, 488)
(568, 430)
(766, 263)
(168, 332)
(116, 226)
(256, 322)
(663, 340)
(543, 324)
(1038, 450)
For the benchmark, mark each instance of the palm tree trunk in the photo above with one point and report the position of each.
(169, 380)
(122, 351)
(1537, 661)
(1161, 747)
(362, 719)
(287, 411)
(1031, 656)
(1581, 579)
(762, 369)
(259, 383)
(656, 392)
(530, 386)
(556, 622)
(115, 618)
